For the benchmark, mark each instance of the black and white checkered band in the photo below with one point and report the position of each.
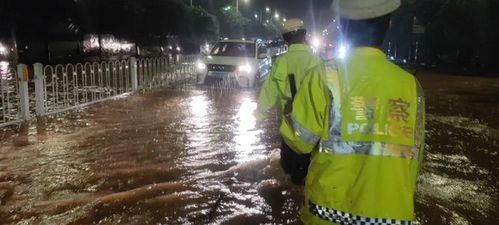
(344, 218)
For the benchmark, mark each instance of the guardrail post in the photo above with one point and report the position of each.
(135, 80)
(181, 62)
(39, 89)
(192, 64)
(22, 74)
(184, 65)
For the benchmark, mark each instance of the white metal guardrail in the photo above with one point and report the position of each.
(156, 72)
(68, 86)
(63, 87)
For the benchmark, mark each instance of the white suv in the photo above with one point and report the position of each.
(232, 59)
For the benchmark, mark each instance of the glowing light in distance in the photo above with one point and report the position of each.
(316, 42)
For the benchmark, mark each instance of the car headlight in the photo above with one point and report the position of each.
(342, 51)
(245, 68)
(201, 65)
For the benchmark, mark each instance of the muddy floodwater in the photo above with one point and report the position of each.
(196, 155)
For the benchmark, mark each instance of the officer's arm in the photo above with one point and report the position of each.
(302, 128)
(268, 95)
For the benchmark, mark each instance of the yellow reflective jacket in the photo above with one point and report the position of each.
(363, 120)
(275, 90)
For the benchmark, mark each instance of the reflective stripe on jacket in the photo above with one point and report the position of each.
(363, 120)
(275, 91)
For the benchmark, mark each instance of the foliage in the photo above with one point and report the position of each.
(236, 25)
(232, 23)
(204, 25)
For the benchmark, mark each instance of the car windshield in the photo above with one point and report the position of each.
(234, 49)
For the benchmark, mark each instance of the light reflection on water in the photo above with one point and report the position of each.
(199, 109)
(208, 128)
(198, 137)
(247, 136)
(224, 154)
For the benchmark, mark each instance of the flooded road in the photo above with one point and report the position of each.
(196, 155)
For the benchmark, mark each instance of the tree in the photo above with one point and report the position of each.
(236, 25)
(200, 25)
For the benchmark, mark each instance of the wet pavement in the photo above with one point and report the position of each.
(196, 155)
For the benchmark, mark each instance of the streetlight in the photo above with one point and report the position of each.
(277, 15)
(267, 9)
(283, 19)
(256, 16)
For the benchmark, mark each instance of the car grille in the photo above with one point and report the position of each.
(221, 68)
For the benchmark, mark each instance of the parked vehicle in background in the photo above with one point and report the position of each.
(241, 60)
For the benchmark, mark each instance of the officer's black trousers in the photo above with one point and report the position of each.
(294, 164)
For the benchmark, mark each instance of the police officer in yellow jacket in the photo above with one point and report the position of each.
(362, 118)
(276, 90)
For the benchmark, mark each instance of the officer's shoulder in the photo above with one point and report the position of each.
(281, 57)
(399, 71)
(317, 67)
(316, 72)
